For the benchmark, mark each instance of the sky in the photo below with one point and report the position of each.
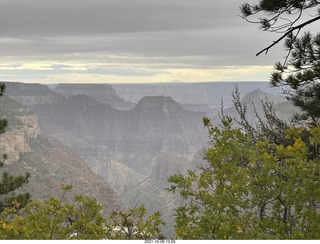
(131, 41)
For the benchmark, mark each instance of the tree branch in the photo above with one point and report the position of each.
(298, 27)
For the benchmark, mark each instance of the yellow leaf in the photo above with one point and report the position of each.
(240, 229)
(290, 148)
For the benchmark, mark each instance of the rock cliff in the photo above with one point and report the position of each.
(23, 124)
(50, 162)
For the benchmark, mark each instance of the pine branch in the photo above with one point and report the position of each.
(298, 27)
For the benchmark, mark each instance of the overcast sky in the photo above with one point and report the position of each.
(55, 41)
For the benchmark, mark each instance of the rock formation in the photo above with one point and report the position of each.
(50, 162)
(23, 124)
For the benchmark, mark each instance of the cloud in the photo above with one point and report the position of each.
(140, 27)
(232, 73)
(167, 39)
(74, 17)
(28, 66)
(75, 68)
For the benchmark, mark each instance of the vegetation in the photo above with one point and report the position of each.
(251, 190)
(82, 219)
(131, 224)
(259, 182)
(9, 183)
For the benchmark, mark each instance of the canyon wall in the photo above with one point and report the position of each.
(50, 162)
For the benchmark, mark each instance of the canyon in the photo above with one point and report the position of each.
(133, 136)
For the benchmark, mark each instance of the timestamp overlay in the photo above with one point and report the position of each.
(160, 241)
(169, 241)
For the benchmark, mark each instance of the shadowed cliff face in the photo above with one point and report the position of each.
(50, 162)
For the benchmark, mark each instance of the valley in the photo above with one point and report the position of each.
(133, 136)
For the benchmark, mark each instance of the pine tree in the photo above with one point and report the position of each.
(300, 69)
(9, 183)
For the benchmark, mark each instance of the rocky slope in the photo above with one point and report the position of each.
(50, 162)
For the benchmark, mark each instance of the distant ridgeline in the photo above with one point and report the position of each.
(209, 93)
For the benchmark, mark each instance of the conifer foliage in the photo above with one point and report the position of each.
(9, 183)
(300, 69)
